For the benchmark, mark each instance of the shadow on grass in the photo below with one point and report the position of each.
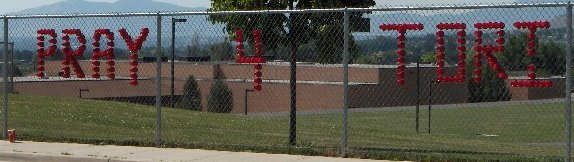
(443, 155)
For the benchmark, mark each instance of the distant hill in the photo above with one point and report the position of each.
(83, 6)
(430, 20)
(22, 30)
(539, 1)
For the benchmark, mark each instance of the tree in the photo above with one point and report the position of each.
(15, 70)
(293, 29)
(305, 52)
(152, 52)
(290, 30)
(429, 58)
(194, 50)
(550, 56)
(119, 53)
(191, 99)
(514, 56)
(378, 58)
(221, 51)
(220, 98)
(380, 43)
(330, 45)
(425, 44)
(24, 55)
(59, 55)
(369, 59)
(491, 89)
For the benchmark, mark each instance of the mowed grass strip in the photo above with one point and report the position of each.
(505, 132)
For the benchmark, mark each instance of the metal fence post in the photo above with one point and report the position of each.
(568, 104)
(430, 106)
(417, 107)
(11, 59)
(158, 84)
(5, 91)
(344, 136)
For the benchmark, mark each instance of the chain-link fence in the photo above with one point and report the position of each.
(5, 50)
(458, 107)
(476, 82)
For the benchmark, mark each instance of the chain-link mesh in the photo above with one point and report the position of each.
(424, 83)
(57, 106)
(486, 119)
(209, 79)
(3, 51)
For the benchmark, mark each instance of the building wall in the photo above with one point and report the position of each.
(536, 93)
(274, 98)
(370, 87)
(388, 93)
(233, 71)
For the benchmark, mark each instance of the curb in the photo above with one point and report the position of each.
(17, 157)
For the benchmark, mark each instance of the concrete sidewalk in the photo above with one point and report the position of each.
(39, 151)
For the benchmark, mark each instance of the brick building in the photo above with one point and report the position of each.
(319, 86)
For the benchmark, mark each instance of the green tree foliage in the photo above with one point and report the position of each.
(416, 47)
(119, 53)
(152, 52)
(429, 58)
(369, 59)
(550, 56)
(24, 55)
(330, 45)
(291, 30)
(378, 44)
(191, 99)
(491, 89)
(220, 98)
(58, 56)
(16, 72)
(194, 49)
(378, 58)
(514, 57)
(221, 51)
(305, 53)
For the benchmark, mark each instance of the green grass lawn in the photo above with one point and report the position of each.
(528, 132)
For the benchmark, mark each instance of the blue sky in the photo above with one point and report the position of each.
(17, 5)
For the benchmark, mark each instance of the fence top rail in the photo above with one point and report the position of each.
(392, 8)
